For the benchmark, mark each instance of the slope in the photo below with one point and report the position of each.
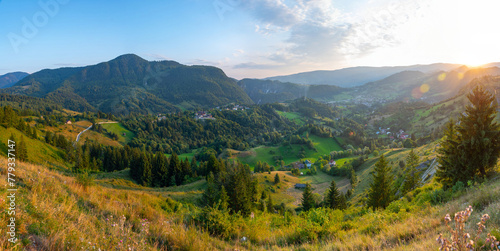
(131, 84)
(11, 79)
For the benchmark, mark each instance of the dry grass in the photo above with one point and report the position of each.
(55, 212)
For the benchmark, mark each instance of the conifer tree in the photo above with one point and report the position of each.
(158, 164)
(173, 168)
(194, 166)
(22, 152)
(276, 179)
(411, 178)
(224, 199)
(307, 198)
(213, 165)
(471, 149)
(353, 179)
(379, 195)
(210, 195)
(146, 176)
(332, 199)
(479, 135)
(270, 205)
(186, 168)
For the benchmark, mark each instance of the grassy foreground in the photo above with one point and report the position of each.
(56, 212)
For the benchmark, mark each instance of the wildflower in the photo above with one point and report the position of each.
(447, 218)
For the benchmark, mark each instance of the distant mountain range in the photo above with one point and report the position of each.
(356, 76)
(11, 79)
(131, 84)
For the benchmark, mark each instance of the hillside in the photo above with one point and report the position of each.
(356, 76)
(144, 219)
(268, 91)
(131, 84)
(11, 79)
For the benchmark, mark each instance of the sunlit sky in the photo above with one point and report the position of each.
(257, 38)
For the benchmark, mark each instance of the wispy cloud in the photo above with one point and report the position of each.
(316, 32)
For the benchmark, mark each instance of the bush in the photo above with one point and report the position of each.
(84, 179)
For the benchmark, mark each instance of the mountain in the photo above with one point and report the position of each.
(11, 79)
(270, 91)
(131, 84)
(407, 85)
(356, 76)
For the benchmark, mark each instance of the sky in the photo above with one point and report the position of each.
(249, 39)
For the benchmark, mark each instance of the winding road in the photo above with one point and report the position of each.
(78, 136)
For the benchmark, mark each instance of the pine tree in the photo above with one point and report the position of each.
(269, 204)
(210, 195)
(147, 176)
(22, 152)
(224, 199)
(379, 195)
(213, 165)
(276, 179)
(173, 168)
(194, 166)
(411, 178)
(186, 168)
(353, 179)
(447, 174)
(307, 198)
(158, 164)
(471, 149)
(479, 135)
(332, 199)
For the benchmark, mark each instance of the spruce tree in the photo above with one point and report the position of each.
(479, 135)
(270, 205)
(224, 199)
(353, 179)
(210, 195)
(276, 179)
(307, 198)
(213, 165)
(471, 149)
(447, 174)
(22, 152)
(379, 194)
(173, 168)
(332, 199)
(411, 178)
(147, 176)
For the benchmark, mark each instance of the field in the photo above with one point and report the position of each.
(120, 131)
(265, 153)
(293, 116)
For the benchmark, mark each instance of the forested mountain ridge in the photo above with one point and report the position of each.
(11, 79)
(269, 91)
(131, 84)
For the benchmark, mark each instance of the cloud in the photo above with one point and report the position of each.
(158, 57)
(316, 32)
(255, 66)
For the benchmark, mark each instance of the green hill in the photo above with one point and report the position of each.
(131, 84)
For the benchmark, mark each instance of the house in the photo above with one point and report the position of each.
(404, 136)
(68, 122)
(300, 186)
(332, 163)
(308, 163)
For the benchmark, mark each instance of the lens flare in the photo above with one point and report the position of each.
(424, 88)
(442, 76)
